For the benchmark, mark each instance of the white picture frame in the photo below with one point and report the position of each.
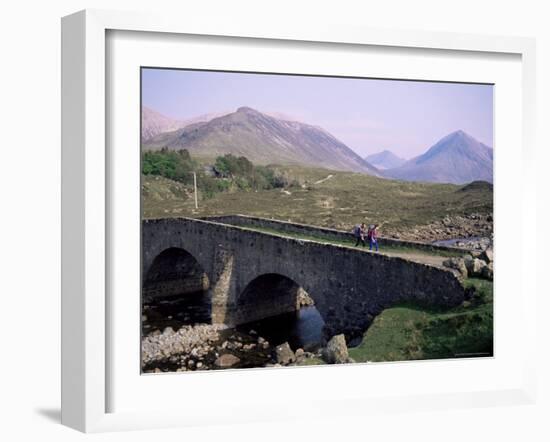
(86, 212)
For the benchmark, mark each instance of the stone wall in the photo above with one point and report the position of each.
(349, 286)
(320, 232)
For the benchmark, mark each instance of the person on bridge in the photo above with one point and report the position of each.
(359, 232)
(372, 236)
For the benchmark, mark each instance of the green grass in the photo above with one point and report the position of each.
(340, 202)
(312, 361)
(351, 243)
(407, 332)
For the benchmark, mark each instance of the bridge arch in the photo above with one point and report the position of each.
(174, 272)
(266, 295)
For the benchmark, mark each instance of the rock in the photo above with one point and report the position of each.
(474, 266)
(226, 360)
(457, 264)
(299, 353)
(487, 255)
(303, 299)
(284, 354)
(199, 364)
(487, 271)
(168, 331)
(478, 266)
(336, 351)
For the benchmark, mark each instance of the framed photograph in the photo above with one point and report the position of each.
(252, 210)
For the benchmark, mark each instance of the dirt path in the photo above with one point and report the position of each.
(423, 258)
(420, 256)
(324, 179)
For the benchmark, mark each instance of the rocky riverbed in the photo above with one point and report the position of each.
(473, 226)
(214, 347)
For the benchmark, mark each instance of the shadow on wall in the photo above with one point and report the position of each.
(267, 295)
(174, 272)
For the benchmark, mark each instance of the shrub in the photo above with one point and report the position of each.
(233, 173)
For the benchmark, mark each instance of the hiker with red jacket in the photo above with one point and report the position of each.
(372, 236)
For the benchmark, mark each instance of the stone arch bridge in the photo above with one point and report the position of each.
(250, 275)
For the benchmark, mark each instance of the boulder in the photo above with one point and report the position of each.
(336, 351)
(487, 271)
(303, 299)
(457, 264)
(474, 266)
(487, 255)
(226, 360)
(284, 354)
(168, 331)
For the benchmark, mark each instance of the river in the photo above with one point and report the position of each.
(301, 329)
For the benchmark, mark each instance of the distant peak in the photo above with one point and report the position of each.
(460, 134)
(247, 110)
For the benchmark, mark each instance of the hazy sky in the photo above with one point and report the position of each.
(406, 117)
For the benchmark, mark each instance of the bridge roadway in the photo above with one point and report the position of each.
(249, 274)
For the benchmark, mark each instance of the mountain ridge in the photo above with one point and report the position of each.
(154, 123)
(263, 139)
(457, 158)
(385, 159)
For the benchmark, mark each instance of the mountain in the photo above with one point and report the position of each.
(154, 123)
(385, 160)
(457, 158)
(263, 139)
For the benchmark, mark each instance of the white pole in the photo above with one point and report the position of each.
(195, 182)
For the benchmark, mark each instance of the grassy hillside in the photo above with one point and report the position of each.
(326, 198)
(407, 332)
